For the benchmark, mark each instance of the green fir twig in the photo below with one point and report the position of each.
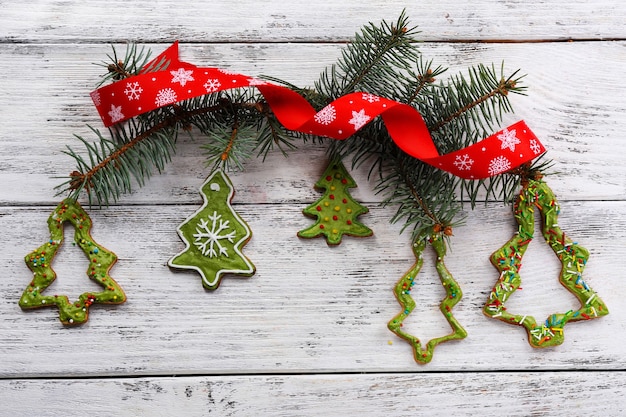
(382, 59)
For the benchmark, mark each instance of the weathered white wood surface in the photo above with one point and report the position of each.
(302, 20)
(466, 394)
(307, 334)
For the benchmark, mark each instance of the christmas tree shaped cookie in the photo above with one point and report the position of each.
(214, 235)
(536, 195)
(336, 211)
(100, 262)
(402, 291)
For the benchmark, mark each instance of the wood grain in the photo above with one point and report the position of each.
(307, 335)
(96, 21)
(458, 394)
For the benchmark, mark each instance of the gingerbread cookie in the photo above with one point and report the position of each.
(214, 235)
(405, 285)
(100, 262)
(536, 195)
(336, 211)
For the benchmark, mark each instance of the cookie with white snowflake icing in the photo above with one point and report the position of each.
(214, 235)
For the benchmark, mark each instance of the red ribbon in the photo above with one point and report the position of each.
(147, 91)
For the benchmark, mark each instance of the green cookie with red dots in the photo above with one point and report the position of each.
(336, 212)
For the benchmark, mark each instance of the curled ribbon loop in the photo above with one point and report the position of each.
(149, 90)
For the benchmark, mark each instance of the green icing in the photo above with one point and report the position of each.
(100, 262)
(336, 211)
(403, 288)
(537, 196)
(214, 235)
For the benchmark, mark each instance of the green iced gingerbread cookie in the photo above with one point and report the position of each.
(402, 291)
(100, 262)
(336, 212)
(214, 235)
(537, 196)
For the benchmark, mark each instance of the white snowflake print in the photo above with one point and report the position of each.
(181, 76)
(95, 96)
(499, 165)
(534, 146)
(463, 162)
(212, 85)
(226, 71)
(116, 113)
(133, 91)
(371, 98)
(359, 119)
(209, 235)
(326, 116)
(508, 139)
(166, 96)
(256, 81)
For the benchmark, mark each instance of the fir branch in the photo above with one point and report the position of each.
(132, 150)
(384, 60)
(462, 112)
(271, 133)
(416, 196)
(132, 63)
(371, 61)
(424, 77)
(424, 196)
(108, 172)
(481, 79)
(229, 145)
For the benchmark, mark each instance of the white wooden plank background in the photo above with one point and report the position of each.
(307, 334)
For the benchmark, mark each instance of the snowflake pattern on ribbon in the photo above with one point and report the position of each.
(133, 91)
(212, 85)
(359, 119)
(165, 96)
(326, 116)
(463, 162)
(116, 113)
(370, 98)
(535, 147)
(255, 81)
(227, 71)
(508, 139)
(499, 165)
(95, 97)
(182, 76)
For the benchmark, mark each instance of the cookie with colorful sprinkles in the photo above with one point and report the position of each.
(536, 195)
(423, 354)
(100, 262)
